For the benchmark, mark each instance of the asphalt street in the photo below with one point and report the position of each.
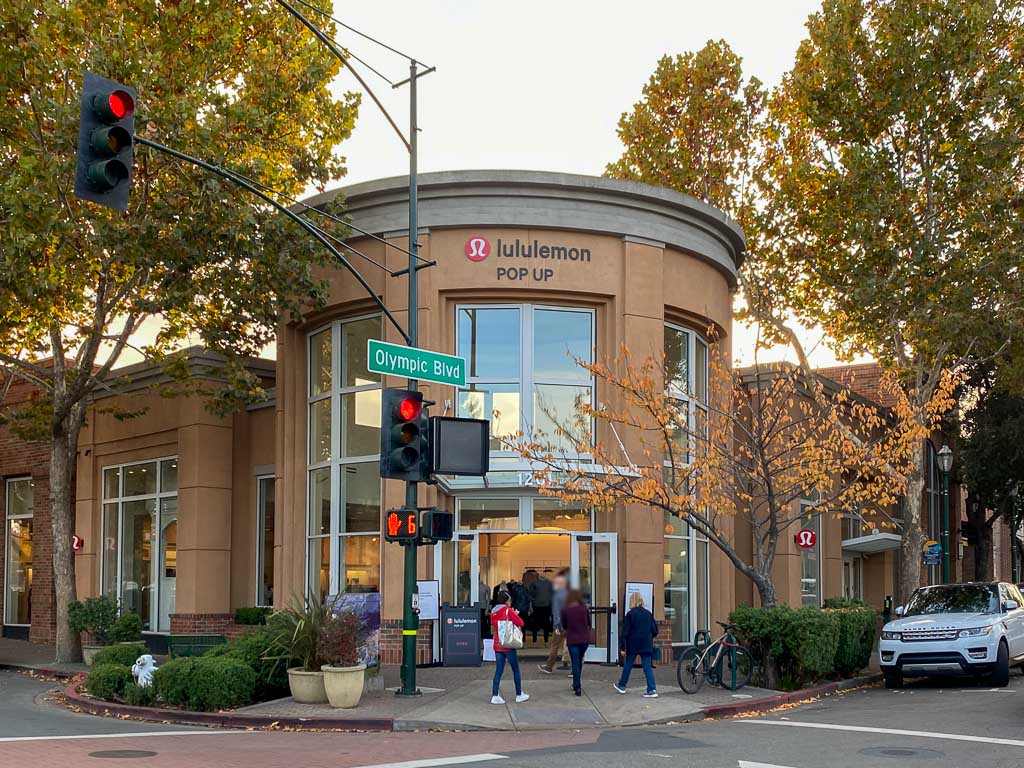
(928, 724)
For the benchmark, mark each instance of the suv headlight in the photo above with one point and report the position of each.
(975, 632)
(892, 636)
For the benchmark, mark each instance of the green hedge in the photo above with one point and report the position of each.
(108, 681)
(253, 649)
(127, 629)
(139, 696)
(795, 647)
(206, 683)
(124, 655)
(857, 627)
(252, 616)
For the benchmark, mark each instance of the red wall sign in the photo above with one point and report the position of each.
(477, 248)
(77, 542)
(806, 538)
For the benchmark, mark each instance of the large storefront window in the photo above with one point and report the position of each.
(933, 498)
(522, 371)
(139, 566)
(685, 577)
(343, 530)
(18, 592)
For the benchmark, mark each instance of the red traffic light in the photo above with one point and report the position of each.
(409, 409)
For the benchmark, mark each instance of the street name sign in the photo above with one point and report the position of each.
(414, 363)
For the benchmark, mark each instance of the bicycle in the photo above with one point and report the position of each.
(723, 662)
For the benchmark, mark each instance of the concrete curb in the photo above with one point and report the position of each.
(771, 702)
(221, 719)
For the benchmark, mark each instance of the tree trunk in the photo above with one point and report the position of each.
(983, 554)
(63, 455)
(912, 539)
(765, 591)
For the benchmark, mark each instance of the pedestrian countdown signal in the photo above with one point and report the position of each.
(402, 525)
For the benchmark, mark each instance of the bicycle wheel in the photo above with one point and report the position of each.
(734, 660)
(690, 671)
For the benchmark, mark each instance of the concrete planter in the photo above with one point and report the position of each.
(89, 652)
(307, 687)
(344, 685)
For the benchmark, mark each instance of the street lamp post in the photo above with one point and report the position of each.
(945, 464)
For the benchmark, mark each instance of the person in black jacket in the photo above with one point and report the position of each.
(637, 639)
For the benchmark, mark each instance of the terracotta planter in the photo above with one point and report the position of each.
(307, 687)
(344, 685)
(89, 652)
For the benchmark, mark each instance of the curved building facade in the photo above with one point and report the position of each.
(532, 270)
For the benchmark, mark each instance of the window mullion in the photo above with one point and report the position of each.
(337, 370)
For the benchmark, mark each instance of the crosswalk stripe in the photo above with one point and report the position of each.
(889, 731)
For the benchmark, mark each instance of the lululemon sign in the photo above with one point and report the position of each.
(477, 248)
(806, 538)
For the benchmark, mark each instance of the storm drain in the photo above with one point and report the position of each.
(124, 754)
(903, 752)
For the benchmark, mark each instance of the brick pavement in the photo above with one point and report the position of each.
(263, 749)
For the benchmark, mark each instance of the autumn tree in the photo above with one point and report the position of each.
(992, 458)
(894, 152)
(240, 84)
(769, 442)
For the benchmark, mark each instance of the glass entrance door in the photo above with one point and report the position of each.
(594, 569)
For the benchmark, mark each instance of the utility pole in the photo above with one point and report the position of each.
(410, 618)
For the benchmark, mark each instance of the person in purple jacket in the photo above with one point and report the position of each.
(576, 625)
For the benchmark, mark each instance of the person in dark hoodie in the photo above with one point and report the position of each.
(576, 625)
(637, 639)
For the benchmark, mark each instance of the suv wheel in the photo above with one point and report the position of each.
(893, 679)
(1000, 676)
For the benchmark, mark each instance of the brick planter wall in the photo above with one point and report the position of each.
(664, 640)
(391, 642)
(208, 624)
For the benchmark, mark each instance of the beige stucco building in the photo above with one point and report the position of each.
(185, 516)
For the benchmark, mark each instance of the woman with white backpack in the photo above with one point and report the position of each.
(507, 631)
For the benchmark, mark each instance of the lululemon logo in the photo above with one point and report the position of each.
(477, 248)
(806, 538)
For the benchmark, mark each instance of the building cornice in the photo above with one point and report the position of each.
(544, 200)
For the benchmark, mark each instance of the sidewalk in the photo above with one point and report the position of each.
(21, 654)
(459, 698)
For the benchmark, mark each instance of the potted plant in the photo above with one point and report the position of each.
(127, 630)
(296, 634)
(344, 675)
(96, 616)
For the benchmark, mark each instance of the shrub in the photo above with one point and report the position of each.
(173, 680)
(257, 650)
(139, 696)
(340, 638)
(857, 627)
(96, 615)
(127, 629)
(122, 655)
(108, 681)
(205, 683)
(792, 647)
(251, 616)
(844, 602)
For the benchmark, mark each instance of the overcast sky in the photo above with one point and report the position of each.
(541, 85)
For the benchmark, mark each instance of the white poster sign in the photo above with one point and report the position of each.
(646, 590)
(430, 600)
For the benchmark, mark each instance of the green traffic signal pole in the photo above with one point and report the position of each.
(410, 617)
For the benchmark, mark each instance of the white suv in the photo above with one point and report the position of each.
(962, 629)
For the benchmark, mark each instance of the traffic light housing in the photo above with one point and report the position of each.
(436, 525)
(106, 132)
(404, 443)
(402, 525)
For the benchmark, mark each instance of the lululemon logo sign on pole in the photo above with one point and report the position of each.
(806, 538)
(477, 248)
